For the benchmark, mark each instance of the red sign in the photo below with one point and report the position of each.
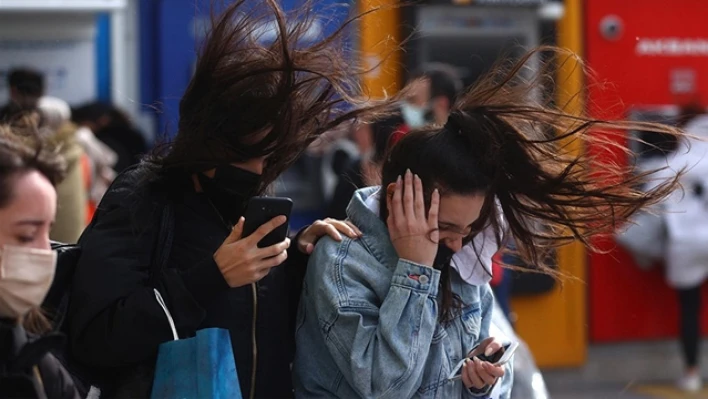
(644, 54)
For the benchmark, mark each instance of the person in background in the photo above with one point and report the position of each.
(391, 313)
(685, 216)
(372, 140)
(249, 111)
(26, 87)
(431, 91)
(72, 196)
(28, 175)
(113, 127)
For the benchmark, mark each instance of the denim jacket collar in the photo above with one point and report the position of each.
(375, 237)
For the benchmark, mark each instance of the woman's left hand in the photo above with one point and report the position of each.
(478, 374)
(331, 227)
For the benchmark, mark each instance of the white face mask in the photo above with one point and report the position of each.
(413, 116)
(26, 275)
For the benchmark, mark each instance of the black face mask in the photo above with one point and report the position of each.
(230, 189)
(443, 257)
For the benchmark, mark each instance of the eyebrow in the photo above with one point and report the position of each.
(30, 223)
(448, 224)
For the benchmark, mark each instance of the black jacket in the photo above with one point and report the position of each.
(116, 323)
(28, 369)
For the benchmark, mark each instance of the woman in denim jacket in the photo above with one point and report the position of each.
(385, 316)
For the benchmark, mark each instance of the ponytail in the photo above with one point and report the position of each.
(506, 139)
(521, 145)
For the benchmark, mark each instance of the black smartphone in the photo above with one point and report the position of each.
(261, 210)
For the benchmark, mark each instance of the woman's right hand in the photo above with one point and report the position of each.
(242, 262)
(414, 235)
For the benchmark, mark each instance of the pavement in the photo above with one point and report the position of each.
(645, 370)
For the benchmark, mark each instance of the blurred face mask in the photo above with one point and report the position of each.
(414, 116)
(26, 275)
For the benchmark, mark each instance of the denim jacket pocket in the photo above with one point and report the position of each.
(439, 334)
(471, 319)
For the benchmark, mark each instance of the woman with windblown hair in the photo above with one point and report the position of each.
(249, 111)
(391, 314)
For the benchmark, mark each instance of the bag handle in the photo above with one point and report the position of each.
(167, 313)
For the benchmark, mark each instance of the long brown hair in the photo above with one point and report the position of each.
(506, 139)
(249, 99)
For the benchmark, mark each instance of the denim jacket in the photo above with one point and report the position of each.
(368, 325)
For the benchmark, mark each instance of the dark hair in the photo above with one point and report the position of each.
(517, 150)
(22, 151)
(444, 80)
(249, 99)
(382, 130)
(26, 81)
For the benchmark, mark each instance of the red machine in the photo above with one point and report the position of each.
(654, 55)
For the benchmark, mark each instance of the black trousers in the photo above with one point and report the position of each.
(690, 306)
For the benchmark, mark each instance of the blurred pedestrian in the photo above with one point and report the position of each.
(431, 91)
(72, 196)
(28, 176)
(686, 222)
(26, 86)
(113, 127)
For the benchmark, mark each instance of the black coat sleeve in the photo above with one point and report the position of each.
(115, 320)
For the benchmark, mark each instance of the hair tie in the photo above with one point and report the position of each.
(455, 122)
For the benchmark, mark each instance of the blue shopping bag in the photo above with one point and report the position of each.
(199, 367)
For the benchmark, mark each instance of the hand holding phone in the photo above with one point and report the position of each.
(247, 258)
(481, 370)
(260, 210)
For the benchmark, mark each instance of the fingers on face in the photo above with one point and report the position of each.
(434, 209)
(396, 205)
(419, 199)
(408, 197)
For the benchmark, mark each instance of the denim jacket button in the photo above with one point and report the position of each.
(424, 279)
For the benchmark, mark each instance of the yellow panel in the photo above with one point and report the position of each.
(554, 325)
(379, 45)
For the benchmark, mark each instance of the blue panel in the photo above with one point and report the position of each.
(103, 57)
(168, 49)
(148, 47)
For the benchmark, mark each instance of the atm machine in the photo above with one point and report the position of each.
(472, 36)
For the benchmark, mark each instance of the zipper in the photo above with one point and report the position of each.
(254, 340)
